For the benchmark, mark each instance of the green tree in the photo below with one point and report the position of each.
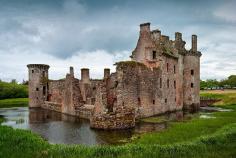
(211, 83)
(203, 84)
(13, 90)
(232, 81)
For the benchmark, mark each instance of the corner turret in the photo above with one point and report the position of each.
(38, 84)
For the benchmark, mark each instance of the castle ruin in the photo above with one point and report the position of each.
(162, 76)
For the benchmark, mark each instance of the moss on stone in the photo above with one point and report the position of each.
(124, 64)
(44, 80)
(167, 51)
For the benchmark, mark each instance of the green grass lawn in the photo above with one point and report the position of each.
(20, 143)
(190, 130)
(15, 102)
(199, 137)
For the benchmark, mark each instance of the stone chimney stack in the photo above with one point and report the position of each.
(106, 73)
(194, 43)
(71, 71)
(178, 36)
(164, 38)
(156, 35)
(85, 75)
(145, 27)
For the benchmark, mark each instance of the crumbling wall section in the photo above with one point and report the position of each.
(56, 91)
(72, 95)
(111, 112)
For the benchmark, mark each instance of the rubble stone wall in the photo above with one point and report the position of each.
(56, 91)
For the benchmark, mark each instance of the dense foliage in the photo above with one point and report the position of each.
(13, 90)
(230, 82)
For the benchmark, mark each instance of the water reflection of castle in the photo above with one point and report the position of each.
(40, 115)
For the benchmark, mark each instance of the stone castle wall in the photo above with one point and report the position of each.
(163, 76)
(191, 82)
(56, 91)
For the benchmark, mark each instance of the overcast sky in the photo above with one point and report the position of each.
(97, 33)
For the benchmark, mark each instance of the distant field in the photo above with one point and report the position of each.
(218, 91)
(228, 97)
(15, 102)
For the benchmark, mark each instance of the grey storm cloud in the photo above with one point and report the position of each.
(65, 29)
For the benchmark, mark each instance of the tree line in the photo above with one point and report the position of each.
(230, 82)
(13, 90)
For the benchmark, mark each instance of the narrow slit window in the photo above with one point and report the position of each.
(153, 101)
(32, 71)
(191, 85)
(37, 89)
(166, 100)
(160, 82)
(175, 84)
(139, 101)
(44, 90)
(192, 72)
(168, 83)
(154, 54)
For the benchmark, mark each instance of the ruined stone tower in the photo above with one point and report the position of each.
(179, 67)
(38, 84)
(191, 73)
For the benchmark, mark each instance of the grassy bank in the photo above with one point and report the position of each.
(200, 137)
(16, 102)
(20, 143)
(188, 131)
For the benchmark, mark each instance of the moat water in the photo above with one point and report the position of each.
(58, 128)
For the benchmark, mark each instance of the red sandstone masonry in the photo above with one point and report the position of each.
(163, 76)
